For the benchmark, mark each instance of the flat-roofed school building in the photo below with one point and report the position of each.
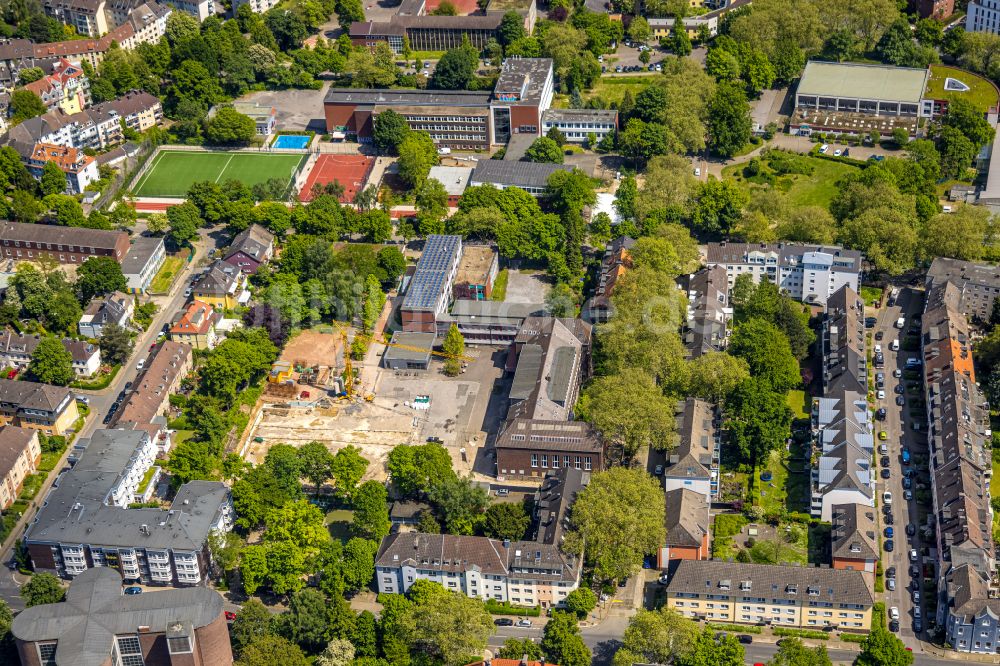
(860, 88)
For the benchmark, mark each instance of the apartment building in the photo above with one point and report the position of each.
(478, 268)
(973, 611)
(709, 312)
(80, 168)
(196, 326)
(20, 454)
(580, 125)
(137, 109)
(67, 88)
(782, 596)
(86, 16)
(694, 463)
(842, 343)
(983, 16)
(532, 572)
(162, 376)
(550, 359)
(116, 308)
(687, 520)
(522, 93)
(843, 438)
(68, 245)
(97, 625)
(50, 409)
(854, 538)
(429, 291)
(661, 27)
(617, 260)
(221, 285)
(527, 449)
(808, 273)
(16, 351)
(250, 249)
(959, 436)
(978, 285)
(145, 256)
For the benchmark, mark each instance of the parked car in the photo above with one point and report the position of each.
(890, 572)
(889, 520)
(911, 529)
(823, 149)
(887, 498)
(836, 153)
(894, 613)
(906, 455)
(900, 400)
(916, 596)
(897, 373)
(907, 483)
(900, 389)
(658, 471)
(885, 461)
(888, 533)
(524, 622)
(870, 322)
(907, 494)
(901, 322)
(913, 555)
(880, 414)
(883, 435)
(879, 335)
(141, 364)
(230, 616)
(918, 625)
(132, 590)
(888, 546)
(886, 473)
(503, 622)
(746, 639)
(894, 626)
(890, 584)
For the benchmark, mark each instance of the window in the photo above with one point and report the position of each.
(130, 651)
(534, 460)
(179, 645)
(545, 461)
(47, 654)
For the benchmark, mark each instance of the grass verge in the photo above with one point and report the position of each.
(499, 292)
(740, 628)
(802, 633)
(164, 278)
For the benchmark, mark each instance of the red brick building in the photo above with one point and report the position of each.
(67, 245)
(687, 523)
(98, 626)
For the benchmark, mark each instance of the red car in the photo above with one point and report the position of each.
(230, 616)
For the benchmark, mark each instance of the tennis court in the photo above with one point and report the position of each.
(173, 172)
(351, 171)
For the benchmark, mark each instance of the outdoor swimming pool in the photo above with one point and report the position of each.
(293, 141)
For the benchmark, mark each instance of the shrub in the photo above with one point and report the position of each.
(802, 633)
(853, 638)
(728, 524)
(738, 628)
(502, 608)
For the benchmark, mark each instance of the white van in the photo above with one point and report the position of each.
(141, 364)
(894, 345)
(901, 322)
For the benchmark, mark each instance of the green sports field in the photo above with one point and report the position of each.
(173, 172)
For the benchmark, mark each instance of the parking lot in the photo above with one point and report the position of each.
(903, 452)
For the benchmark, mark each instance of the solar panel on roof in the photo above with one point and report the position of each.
(431, 275)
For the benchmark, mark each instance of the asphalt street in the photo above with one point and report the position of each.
(101, 401)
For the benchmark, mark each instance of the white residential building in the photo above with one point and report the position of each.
(983, 16)
(258, 6)
(808, 273)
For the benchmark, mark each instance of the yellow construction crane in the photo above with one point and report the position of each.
(387, 343)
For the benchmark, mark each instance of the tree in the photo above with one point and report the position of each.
(562, 642)
(514, 648)
(24, 105)
(629, 410)
(417, 155)
(719, 206)
(413, 469)
(371, 511)
(43, 588)
(305, 621)
(581, 601)
(639, 31)
(680, 43)
(619, 516)
(767, 351)
(969, 120)
(228, 126)
(556, 135)
(365, 635)
(792, 652)
(758, 418)
(456, 69)
(115, 343)
(98, 276)
(389, 131)
(715, 375)
(316, 463)
(445, 8)
(7, 648)
(53, 179)
(348, 467)
(929, 32)
(660, 636)
(962, 234)
(338, 652)
(729, 125)
(957, 152)
(447, 627)
(511, 28)
(883, 648)
(432, 207)
(544, 149)
(184, 222)
(724, 651)
(268, 650)
(454, 346)
(459, 502)
(506, 520)
(349, 11)
(30, 75)
(51, 363)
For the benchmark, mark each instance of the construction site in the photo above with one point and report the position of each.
(307, 399)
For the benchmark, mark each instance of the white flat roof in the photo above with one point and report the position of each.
(861, 81)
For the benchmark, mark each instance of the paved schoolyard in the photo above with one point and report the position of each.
(296, 109)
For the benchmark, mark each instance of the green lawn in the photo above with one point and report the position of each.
(815, 189)
(173, 172)
(981, 93)
(871, 295)
(611, 88)
(165, 276)
(499, 292)
(338, 521)
(800, 403)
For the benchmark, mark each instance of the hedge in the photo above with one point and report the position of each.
(497, 608)
(853, 638)
(878, 615)
(729, 524)
(739, 628)
(802, 633)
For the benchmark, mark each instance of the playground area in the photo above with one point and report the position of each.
(351, 171)
(174, 171)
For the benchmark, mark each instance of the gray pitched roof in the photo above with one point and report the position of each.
(95, 611)
(686, 517)
(31, 395)
(13, 442)
(516, 174)
(794, 584)
(853, 534)
(254, 241)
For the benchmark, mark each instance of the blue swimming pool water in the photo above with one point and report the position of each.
(291, 141)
